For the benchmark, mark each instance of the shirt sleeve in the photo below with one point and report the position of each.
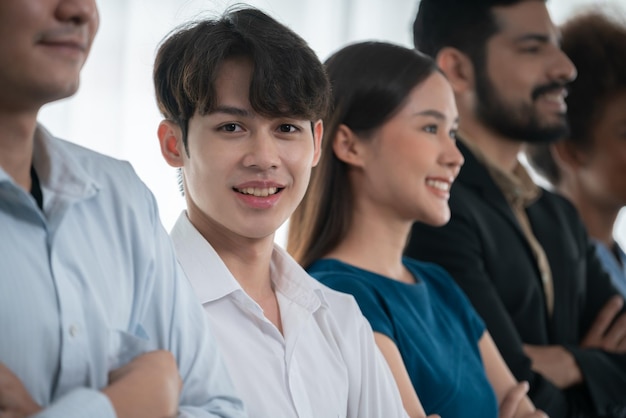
(177, 320)
(373, 390)
(80, 403)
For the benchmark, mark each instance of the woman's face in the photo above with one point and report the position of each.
(411, 161)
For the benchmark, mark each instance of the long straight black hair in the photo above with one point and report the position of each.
(370, 82)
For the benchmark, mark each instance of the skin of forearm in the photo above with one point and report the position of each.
(149, 386)
(556, 364)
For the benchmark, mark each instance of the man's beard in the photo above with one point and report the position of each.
(518, 122)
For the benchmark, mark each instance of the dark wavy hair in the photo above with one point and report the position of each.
(370, 82)
(288, 79)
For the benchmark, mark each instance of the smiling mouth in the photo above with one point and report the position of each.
(439, 185)
(258, 192)
(554, 96)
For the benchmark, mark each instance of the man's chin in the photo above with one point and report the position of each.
(550, 133)
(536, 134)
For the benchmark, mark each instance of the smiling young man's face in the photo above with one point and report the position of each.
(245, 173)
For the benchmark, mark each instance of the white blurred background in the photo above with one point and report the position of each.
(114, 111)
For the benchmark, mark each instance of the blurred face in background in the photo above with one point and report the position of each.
(602, 169)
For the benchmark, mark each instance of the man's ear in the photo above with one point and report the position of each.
(458, 68)
(346, 146)
(318, 133)
(171, 141)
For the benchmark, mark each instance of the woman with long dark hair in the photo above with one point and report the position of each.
(389, 158)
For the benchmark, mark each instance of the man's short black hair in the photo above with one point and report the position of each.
(462, 24)
(288, 79)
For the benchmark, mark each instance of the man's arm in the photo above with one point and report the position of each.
(175, 317)
(608, 331)
(556, 364)
(15, 401)
(600, 352)
(147, 387)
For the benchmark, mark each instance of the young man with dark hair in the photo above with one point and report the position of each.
(243, 97)
(521, 253)
(589, 166)
(97, 317)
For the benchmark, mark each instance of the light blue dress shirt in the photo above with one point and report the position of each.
(91, 282)
(615, 268)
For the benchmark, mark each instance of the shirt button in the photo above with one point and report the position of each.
(73, 330)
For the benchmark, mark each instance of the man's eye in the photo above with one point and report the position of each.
(287, 128)
(230, 127)
(531, 49)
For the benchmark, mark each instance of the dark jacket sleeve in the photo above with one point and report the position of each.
(604, 373)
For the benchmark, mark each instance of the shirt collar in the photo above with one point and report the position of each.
(518, 187)
(206, 271)
(58, 168)
(294, 282)
(611, 256)
(212, 280)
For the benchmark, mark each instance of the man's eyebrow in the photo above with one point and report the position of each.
(231, 110)
(533, 37)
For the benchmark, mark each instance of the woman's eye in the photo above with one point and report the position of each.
(432, 129)
(454, 133)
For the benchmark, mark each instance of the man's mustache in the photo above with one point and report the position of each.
(554, 87)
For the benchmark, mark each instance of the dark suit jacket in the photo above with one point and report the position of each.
(484, 249)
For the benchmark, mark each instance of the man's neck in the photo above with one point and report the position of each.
(498, 150)
(16, 146)
(247, 259)
(250, 265)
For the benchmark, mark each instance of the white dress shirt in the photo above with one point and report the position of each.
(91, 282)
(325, 365)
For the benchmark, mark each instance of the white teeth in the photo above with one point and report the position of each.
(259, 192)
(555, 97)
(437, 184)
